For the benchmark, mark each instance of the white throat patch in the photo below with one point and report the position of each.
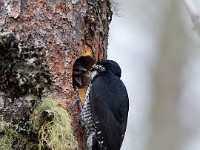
(92, 74)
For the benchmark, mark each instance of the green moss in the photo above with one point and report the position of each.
(54, 129)
(6, 139)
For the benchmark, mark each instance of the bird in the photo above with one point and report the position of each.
(78, 71)
(105, 111)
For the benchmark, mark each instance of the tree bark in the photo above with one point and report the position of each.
(39, 43)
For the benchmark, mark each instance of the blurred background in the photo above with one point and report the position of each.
(159, 54)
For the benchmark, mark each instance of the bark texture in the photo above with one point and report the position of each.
(47, 37)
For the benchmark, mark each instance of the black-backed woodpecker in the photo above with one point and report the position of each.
(105, 111)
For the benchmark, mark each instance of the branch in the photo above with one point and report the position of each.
(194, 14)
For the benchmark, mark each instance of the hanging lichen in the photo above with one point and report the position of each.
(6, 140)
(53, 125)
(9, 136)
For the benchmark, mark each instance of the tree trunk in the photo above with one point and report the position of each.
(39, 43)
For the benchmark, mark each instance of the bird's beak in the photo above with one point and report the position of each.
(99, 68)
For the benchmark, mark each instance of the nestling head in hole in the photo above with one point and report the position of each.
(78, 73)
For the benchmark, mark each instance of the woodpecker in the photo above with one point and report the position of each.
(78, 71)
(105, 111)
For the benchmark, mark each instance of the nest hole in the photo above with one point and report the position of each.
(79, 78)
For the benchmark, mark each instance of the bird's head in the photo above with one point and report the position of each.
(78, 72)
(105, 65)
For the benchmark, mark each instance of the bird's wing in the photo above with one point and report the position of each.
(123, 113)
(107, 95)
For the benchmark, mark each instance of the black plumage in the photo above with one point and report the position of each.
(105, 111)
